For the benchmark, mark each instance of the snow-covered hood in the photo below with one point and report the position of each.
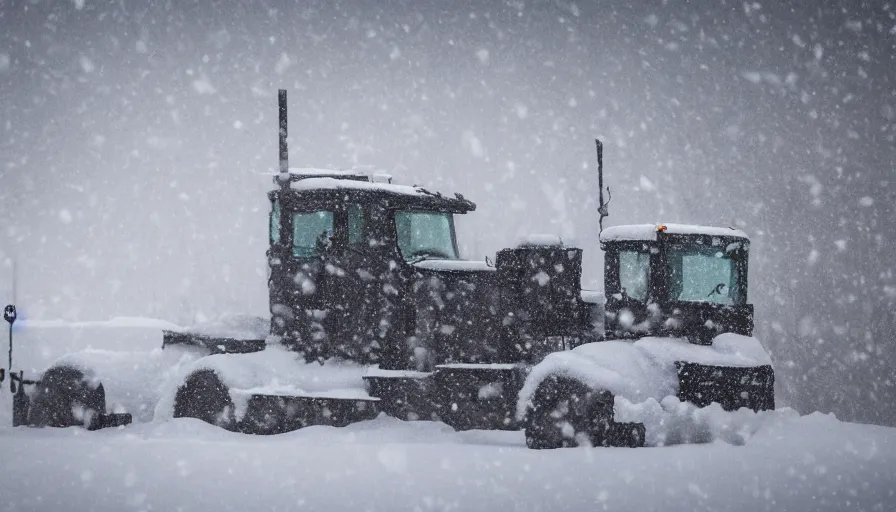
(641, 369)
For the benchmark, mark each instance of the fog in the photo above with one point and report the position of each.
(138, 139)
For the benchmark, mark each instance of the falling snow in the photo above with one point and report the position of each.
(136, 151)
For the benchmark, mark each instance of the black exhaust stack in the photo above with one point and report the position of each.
(602, 209)
(284, 150)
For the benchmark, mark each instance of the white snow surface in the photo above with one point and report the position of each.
(457, 265)
(141, 378)
(648, 232)
(134, 381)
(479, 366)
(592, 296)
(40, 342)
(273, 371)
(780, 462)
(539, 240)
(639, 370)
(370, 173)
(696, 459)
(234, 326)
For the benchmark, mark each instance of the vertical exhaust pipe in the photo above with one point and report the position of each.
(284, 150)
(602, 209)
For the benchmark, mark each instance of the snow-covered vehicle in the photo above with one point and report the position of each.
(373, 310)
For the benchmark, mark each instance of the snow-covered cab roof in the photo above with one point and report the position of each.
(650, 232)
(366, 186)
(362, 174)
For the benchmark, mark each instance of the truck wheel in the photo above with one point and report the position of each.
(64, 398)
(566, 413)
(205, 397)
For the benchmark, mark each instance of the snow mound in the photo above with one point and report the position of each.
(273, 371)
(641, 369)
(671, 421)
(133, 381)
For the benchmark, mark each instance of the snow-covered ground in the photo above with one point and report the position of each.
(789, 463)
(712, 460)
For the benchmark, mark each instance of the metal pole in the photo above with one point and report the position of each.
(284, 150)
(9, 314)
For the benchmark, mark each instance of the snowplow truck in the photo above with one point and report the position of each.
(372, 310)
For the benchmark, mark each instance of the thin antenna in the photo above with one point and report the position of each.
(602, 209)
(284, 150)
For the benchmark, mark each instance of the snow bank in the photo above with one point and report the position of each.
(789, 463)
(671, 421)
(273, 371)
(641, 369)
(133, 381)
(139, 377)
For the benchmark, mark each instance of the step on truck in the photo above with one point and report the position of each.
(373, 310)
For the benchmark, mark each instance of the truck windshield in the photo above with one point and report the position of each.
(701, 273)
(423, 235)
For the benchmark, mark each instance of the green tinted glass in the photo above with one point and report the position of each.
(704, 274)
(424, 235)
(311, 231)
(275, 222)
(634, 267)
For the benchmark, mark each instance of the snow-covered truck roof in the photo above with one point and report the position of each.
(648, 232)
(353, 185)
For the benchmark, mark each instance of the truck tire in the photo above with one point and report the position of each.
(566, 413)
(203, 396)
(65, 398)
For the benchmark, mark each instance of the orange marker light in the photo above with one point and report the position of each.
(661, 227)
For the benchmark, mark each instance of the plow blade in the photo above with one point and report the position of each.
(732, 387)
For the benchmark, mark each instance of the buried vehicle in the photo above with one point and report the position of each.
(373, 310)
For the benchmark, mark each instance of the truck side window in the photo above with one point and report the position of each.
(634, 267)
(355, 225)
(310, 232)
(275, 222)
